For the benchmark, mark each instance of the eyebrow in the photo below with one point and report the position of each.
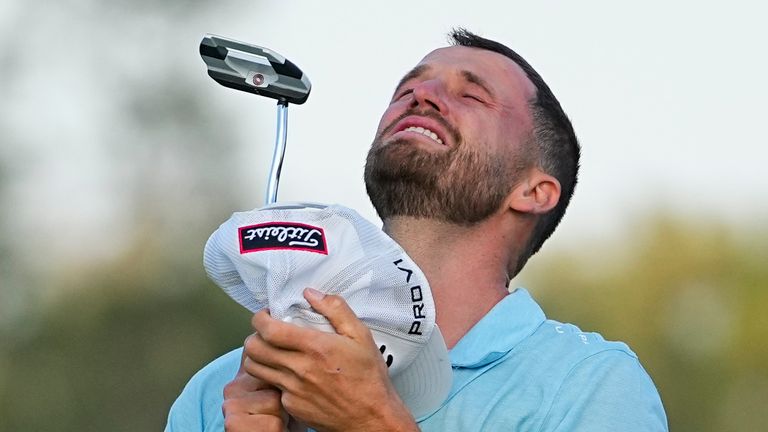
(414, 73)
(475, 79)
(469, 76)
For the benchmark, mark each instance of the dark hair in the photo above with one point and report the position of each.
(553, 140)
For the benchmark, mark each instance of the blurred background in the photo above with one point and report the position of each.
(119, 156)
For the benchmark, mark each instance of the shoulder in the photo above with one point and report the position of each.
(586, 359)
(606, 391)
(599, 384)
(198, 407)
(558, 378)
(554, 350)
(570, 343)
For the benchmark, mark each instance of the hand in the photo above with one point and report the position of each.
(332, 382)
(251, 404)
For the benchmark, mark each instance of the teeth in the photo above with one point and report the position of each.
(425, 132)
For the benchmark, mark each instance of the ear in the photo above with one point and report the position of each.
(537, 193)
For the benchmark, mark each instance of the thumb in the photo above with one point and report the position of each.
(336, 310)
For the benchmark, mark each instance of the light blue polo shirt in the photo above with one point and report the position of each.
(514, 370)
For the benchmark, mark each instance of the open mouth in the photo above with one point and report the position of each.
(426, 126)
(425, 132)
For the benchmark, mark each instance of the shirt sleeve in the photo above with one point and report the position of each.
(198, 407)
(608, 391)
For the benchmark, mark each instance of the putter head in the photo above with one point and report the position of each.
(254, 69)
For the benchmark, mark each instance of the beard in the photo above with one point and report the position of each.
(462, 186)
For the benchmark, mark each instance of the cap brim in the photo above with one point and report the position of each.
(425, 383)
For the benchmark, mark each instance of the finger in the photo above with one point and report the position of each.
(260, 351)
(280, 334)
(339, 314)
(254, 341)
(257, 402)
(283, 379)
(244, 382)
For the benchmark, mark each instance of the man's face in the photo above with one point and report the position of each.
(452, 142)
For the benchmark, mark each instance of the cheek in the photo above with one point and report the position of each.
(390, 115)
(510, 130)
(382, 124)
(519, 124)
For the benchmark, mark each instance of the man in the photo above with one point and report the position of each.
(472, 168)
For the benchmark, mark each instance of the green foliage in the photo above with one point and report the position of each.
(113, 354)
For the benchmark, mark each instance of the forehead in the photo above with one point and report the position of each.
(503, 74)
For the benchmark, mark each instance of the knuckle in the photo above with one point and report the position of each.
(334, 301)
(271, 400)
(266, 332)
(230, 389)
(289, 385)
(366, 334)
(228, 407)
(317, 352)
(302, 373)
(232, 423)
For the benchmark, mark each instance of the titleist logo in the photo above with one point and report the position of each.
(282, 236)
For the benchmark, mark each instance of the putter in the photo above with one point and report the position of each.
(263, 72)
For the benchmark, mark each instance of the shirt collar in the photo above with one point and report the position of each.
(513, 319)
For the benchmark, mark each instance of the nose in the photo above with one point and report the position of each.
(430, 93)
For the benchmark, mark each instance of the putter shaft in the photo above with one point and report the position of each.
(281, 137)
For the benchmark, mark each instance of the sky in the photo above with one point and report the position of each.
(667, 99)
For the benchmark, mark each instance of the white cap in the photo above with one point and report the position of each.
(266, 257)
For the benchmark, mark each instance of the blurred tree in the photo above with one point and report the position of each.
(123, 139)
(114, 354)
(116, 335)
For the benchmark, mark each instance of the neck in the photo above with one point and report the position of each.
(466, 266)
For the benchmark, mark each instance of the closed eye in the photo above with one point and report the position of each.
(403, 93)
(474, 97)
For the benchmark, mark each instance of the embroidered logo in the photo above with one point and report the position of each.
(417, 300)
(282, 236)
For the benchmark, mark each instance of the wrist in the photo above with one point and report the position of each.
(402, 423)
(395, 417)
